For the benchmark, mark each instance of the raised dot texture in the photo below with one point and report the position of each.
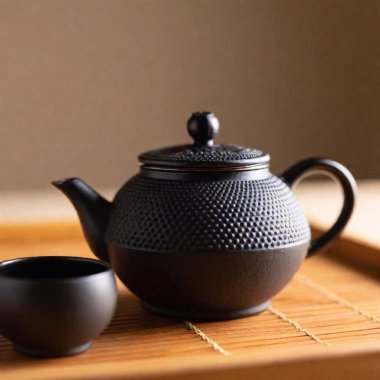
(159, 215)
(191, 154)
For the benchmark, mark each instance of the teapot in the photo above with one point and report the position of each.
(206, 231)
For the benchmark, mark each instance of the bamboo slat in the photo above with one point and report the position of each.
(327, 313)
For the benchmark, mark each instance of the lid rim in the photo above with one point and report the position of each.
(183, 165)
(209, 168)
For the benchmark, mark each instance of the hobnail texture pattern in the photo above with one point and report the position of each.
(167, 215)
(192, 154)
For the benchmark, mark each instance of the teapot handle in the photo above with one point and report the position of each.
(338, 172)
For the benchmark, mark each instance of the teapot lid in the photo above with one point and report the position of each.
(203, 154)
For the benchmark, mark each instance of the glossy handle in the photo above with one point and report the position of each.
(332, 169)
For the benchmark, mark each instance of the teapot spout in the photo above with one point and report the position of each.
(93, 211)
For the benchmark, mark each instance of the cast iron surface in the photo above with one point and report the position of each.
(54, 306)
(203, 215)
(213, 243)
(213, 285)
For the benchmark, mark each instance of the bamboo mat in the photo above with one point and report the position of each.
(329, 306)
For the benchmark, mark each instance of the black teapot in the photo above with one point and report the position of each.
(205, 231)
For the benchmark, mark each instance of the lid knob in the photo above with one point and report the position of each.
(202, 127)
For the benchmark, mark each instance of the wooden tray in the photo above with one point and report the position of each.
(324, 324)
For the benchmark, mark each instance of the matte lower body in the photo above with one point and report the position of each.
(219, 315)
(207, 285)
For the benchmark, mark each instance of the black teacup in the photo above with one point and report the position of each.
(54, 306)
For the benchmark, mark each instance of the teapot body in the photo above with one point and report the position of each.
(191, 245)
(206, 231)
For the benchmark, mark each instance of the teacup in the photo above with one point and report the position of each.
(54, 306)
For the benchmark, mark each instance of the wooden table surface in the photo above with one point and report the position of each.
(324, 325)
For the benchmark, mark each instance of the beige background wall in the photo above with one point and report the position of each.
(86, 85)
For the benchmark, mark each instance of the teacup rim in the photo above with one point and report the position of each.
(107, 268)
